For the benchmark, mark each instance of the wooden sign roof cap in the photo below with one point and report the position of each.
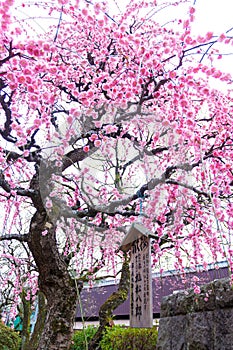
(136, 230)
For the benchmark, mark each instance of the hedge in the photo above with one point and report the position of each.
(117, 337)
(9, 339)
(80, 338)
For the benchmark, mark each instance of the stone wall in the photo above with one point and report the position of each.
(198, 321)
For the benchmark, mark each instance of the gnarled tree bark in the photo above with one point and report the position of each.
(55, 283)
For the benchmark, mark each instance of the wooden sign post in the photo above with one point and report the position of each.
(138, 241)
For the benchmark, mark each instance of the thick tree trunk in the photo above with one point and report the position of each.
(55, 283)
(115, 300)
(58, 329)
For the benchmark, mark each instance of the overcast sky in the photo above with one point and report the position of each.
(214, 15)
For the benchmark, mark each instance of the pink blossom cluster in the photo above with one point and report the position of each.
(123, 111)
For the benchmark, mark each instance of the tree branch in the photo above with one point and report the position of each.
(10, 237)
(192, 188)
(19, 191)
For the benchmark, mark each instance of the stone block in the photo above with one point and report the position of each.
(190, 322)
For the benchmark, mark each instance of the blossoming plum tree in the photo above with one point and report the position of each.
(102, 115)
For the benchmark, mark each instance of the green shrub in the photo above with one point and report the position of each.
(9, 339)
(81, 337)
(129, 338)
(118, 338)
